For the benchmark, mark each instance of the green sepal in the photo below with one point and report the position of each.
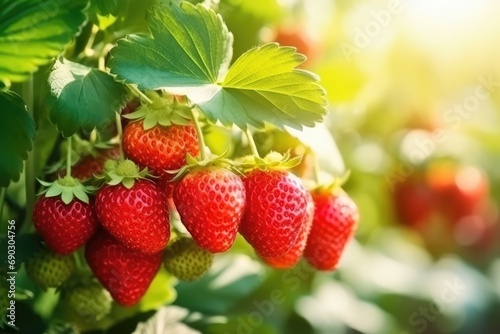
(163, 110)
(333, 185)
(214, 161)
(124, 172)
(272, 161)
(67, 188)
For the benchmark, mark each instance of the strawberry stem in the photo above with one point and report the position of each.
(78, 261)
(251, 143)
(68, 157)
(29, 167)
(199, 133)
(140, 94)
(316, 169)
(119, 130)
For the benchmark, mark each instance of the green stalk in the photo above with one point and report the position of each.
(316, 170)
(141, 94)
(119, 130)
(68, 157)
(199, 133)
(251, 143)
(29, 166)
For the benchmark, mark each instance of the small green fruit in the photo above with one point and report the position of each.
(50, 270)
(186, 260)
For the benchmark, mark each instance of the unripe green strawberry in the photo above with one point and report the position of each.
(186, 261)
(89, 301)
(61, 327)
(49, 270)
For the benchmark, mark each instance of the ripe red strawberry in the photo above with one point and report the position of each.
(275, 210)
(160, 148)
(460, 191)
(290, 258)
(335, 220)
(211, 202)
(64, 227)
(414, 201)
(125, 273)
(167, 185)
(138, 217)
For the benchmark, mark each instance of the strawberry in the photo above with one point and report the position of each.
(186, 261)
(125, 273)
(414, 201)
(89, 301)
(275, 210)
(290, 258)
(92, 164)
(210, 202)
(64, 227)
(167, 185)
(160, 148)
(335, 220)
(138, 217)
(49, 270)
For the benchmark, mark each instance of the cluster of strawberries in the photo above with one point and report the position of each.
(125, 226)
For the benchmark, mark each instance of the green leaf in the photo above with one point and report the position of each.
(17, 132)
(263, 85)
(160, 292)
(188, 53)
(231, 278)
(83, 97)
(32, 32)
(189, 46)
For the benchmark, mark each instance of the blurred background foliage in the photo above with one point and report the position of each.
(414, 92)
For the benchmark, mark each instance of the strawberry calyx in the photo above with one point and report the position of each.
(331, 186)
(163, 110)
(68, 188)
(272, 161)
(125, 172)
(193, 163)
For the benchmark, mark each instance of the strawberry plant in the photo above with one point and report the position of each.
(135, 134)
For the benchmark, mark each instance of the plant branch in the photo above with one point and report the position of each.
(199, 133)
(29, 166)
(68, 157)
(251, 143)
(119, 130)
(141, 94)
